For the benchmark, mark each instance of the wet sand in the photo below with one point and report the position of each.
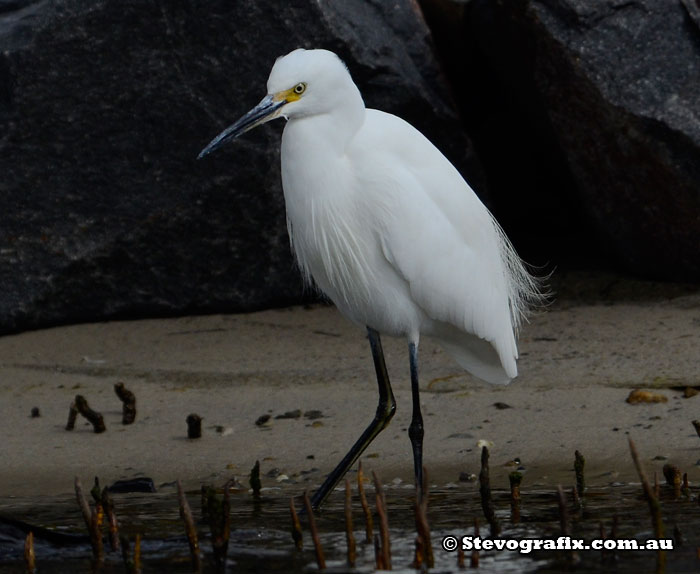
(579, 362)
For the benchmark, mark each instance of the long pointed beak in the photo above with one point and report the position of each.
(265, 111)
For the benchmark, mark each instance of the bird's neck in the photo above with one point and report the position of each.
(328, 133)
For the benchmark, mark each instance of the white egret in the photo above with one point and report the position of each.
(388, 229)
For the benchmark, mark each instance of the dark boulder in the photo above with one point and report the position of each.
(621, 81)
(602, 98)
(104, 105)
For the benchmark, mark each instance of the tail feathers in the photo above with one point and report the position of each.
(480, 358)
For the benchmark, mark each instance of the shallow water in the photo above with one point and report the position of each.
(261, 541)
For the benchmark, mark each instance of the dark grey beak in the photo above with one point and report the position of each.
(265, 111)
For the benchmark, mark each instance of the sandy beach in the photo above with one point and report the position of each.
(579, 362)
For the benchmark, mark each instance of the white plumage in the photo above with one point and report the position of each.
(388, 229)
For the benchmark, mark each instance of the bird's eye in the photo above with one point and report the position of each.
(299, 88)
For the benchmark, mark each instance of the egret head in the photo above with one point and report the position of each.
(302, 83)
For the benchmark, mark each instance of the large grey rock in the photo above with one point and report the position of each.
(607, 94)
(104, 105)
(621, 81)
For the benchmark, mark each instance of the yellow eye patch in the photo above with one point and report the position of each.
(290, 95)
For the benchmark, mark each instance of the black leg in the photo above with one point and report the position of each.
(385, 410)
(415, 431)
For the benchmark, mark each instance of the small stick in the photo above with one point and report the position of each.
(129, 403)
(137, 554)
(614, 527)
(685, 489)
(126, 558)
(296, 526)
(421, 516)
(194, 426)
(383, 522)
(610, 554)
(190, 530)
(98, 512)
(108, 505)
(419, 554)
(677, 536)
(515, 478)
(128, 565)
(132, 566)
(29, 556)
(564, 523)
(369, 523)
(378, 554)
(485, 491)
(72, 416)
(95, 418)
(460, 557)
(92, 520)
(654, 507)
(320, 560)
(349, 535)
(474, 560)
(577, 500)
(218, 512)
(226, 519)
(255, 483)
(579, 465)
(96, 532)
(672, 474)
